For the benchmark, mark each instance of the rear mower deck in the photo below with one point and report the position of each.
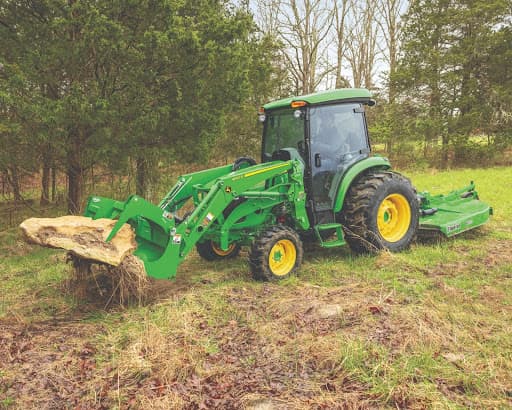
(451, 214)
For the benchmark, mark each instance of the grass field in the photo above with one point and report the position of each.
(427, 328)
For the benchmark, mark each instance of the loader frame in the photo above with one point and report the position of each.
(260, 195)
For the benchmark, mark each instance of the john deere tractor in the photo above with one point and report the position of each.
(317, 181)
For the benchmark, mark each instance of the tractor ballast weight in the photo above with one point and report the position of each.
(317, 182)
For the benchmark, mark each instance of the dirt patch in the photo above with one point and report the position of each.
(245, 369)
(286, 360)
(498, 253)
(19, 248)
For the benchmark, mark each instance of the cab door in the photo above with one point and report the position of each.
(338, 139)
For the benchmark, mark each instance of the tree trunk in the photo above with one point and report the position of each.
(14, 182)
(141, 179)
(444, 156)
(4, 182)
(45, 184)
(75, 175)
(75, 182)
(54, 182)
(340, 17)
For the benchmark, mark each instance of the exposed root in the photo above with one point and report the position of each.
(102, 271)
(131, 281)
(119, 285)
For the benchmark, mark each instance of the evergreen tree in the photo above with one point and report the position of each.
(96, 83)
(445, 68)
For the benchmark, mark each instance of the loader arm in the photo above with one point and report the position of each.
(163, 241)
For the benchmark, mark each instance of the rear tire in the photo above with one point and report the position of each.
(381, 211)
(275, 254)
(210, 251)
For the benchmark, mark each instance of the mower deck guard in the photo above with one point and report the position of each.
(454, 213)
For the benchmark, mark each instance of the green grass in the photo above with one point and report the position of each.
(426, 328)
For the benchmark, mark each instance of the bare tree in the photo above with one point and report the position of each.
(389, 13)
(320, 38)
(302, 27)
(267, 15)
(341, 11)
(362, 42)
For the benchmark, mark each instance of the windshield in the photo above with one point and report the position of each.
(282, 130)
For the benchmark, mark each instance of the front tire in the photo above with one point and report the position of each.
(381, 211)
(210, 251)
(275, 254)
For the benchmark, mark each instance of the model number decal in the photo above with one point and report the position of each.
(451, 228)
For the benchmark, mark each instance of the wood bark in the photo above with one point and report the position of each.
(54, 183)
(82, 236)
(12, 175)
(141, 179)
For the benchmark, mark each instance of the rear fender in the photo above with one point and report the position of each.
(353, 172)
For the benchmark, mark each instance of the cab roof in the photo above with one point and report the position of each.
(323, 97)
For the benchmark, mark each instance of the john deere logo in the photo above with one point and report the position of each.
(228, 189)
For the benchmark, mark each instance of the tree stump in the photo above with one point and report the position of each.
(92, 257)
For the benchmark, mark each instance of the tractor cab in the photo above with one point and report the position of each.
(328, 131)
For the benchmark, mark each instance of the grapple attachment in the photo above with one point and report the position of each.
(454, 213)
(152, 228)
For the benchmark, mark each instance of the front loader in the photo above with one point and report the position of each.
(317, 181)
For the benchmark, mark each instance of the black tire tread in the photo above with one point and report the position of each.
(205, 250)
(258, 254)
(355, 213)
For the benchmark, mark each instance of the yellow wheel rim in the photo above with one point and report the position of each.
(282, 257)
(218, 251)
(394, 217)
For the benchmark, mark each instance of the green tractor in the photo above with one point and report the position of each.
(317, 181)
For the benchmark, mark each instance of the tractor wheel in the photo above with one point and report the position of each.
(275, 254)
(210, 251)
(381, 211)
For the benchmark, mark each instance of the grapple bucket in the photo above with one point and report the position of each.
(454, 213)
(151, 226)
